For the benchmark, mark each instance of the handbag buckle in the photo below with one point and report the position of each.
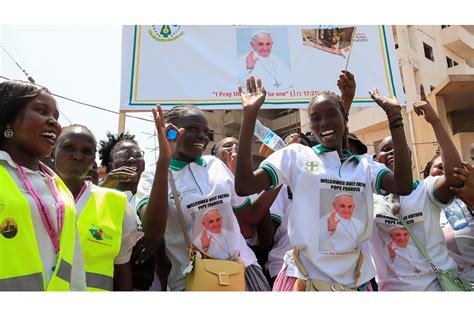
(337, 287)
(223, 278)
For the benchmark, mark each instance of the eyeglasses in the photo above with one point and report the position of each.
(126, 154)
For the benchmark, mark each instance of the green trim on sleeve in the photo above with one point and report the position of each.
(378, 183)
(247, 203)
(139, 206)
(415, 184)
(273, 175)
(276, 218)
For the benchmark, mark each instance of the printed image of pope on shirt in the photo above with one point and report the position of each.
(402, 257)
(340, 229)
(210, 236)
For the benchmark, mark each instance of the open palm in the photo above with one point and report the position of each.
(167, 147)
(255, 95)
(384, 102)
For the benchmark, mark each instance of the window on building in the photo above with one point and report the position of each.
(445, 26)
(450, 62)
(396, 46)
(428, 51)
(432, 88)
(210, 134)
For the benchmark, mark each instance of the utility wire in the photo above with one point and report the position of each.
(30, 79)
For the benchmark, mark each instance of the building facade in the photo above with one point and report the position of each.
(441, 58)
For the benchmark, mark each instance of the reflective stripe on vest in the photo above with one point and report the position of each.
(100, 233)
(99, 281)
(64, 271)
(32, 282)
(21, 267)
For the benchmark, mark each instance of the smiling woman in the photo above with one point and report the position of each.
(103, 213)
(38, 220)
(206, 189)
(332, 255)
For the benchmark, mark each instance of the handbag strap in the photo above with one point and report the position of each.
(177, 202)
(189, 246)
(296, 256)
(417, 243)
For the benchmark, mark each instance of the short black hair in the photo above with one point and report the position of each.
(73, 126)
(107, 146)
(14, 96)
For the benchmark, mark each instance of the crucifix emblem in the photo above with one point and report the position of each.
(312, 166)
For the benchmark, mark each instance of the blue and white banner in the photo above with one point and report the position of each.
(203, 65)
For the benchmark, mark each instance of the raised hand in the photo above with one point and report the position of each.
(121, 174)
(255, 95)
(391, 252)
(250, 60)
(167, 147)
(332, 222)
(386, 103)
(205, 240)
(466, 192)
(347, 85)
(423, 107)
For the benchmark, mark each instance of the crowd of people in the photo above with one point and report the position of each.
(318, 214)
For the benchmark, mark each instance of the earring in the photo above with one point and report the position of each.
(8, 133)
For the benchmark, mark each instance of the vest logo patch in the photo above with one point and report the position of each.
(98, 233)
(9, 228)
(312, 166)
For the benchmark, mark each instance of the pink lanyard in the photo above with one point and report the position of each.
(83, 188)
(43, 209)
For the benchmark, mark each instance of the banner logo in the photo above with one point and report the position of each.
(165, 33)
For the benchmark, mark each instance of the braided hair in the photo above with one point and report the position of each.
(426, 171)
(175, 115)
(337, 100)
(107, 147)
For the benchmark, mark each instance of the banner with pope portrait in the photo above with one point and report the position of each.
(204, 65)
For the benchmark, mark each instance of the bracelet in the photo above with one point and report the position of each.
(396, 121)
(394, 116)
(396, 126)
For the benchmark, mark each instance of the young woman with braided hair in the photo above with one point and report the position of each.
(207, 197)
(332, 191)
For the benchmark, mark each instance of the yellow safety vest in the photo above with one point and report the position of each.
(100, 233)
(21, 268)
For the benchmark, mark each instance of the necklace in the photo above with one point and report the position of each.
(276, 84)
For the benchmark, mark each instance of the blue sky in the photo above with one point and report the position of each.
(78, 62)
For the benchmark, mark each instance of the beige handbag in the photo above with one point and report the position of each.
(207, 273)
(321, 286)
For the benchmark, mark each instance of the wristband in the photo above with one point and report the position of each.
(396, 121)
(396, 126)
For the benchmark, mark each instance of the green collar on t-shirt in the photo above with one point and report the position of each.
(319, 149)
(176, 165)
(415, 184)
